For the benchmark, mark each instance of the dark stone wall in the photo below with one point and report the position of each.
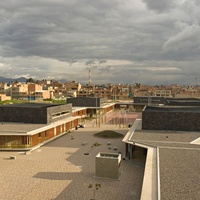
(178, 121)
(85, 101)
(34, 115)
(23, 114)
(152, 99)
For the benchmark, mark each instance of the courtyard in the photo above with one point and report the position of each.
(61, 170)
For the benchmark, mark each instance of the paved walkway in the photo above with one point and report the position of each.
(60, 170)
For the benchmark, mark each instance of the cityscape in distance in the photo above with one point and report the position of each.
(100, 100)
(30, 89)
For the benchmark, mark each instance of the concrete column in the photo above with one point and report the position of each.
(131, 151)
(54, 131)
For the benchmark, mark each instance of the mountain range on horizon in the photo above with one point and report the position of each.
(20, 79)
(8, 80)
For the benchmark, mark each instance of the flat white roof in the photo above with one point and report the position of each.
(174, 148)
(29, 129)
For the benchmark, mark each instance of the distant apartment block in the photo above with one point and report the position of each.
(162, 93)
(55, 90)
(3, 97)
(73, 85)
(5, 88)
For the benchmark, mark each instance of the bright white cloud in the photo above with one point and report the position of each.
(164, 69)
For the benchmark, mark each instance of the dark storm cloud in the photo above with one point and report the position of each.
(119, 40)
(61, 30)
(159, 5)
(49, 29)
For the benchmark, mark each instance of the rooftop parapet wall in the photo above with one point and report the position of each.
(154, 100)
(167, 108)
(183, 101)
(179, 119)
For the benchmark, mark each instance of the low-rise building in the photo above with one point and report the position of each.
(162, 93)
(3, 97)
(94, 105)
(29, 125)
(168, 139)
(73, 85)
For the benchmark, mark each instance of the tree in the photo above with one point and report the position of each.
(30, 80)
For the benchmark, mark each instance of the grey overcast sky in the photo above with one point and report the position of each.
(120, 41)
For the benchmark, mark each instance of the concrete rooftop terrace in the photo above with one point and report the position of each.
(178, 161)
(18, 128)
(10, 128)
(60, 170)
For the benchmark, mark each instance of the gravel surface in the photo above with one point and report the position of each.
(59, 170)
(180, 174)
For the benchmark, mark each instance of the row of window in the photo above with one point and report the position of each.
(54, 115)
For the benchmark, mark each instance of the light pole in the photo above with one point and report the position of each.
(11, 90)
(149, 98)
(96, 110)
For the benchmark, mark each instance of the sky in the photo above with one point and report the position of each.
(118, 41)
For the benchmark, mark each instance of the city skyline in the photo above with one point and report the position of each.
(119, 41)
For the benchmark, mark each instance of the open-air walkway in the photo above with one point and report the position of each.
(60, 170)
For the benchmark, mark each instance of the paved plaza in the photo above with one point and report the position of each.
(59, 170)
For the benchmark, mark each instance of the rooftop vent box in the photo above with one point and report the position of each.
(107, 165)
